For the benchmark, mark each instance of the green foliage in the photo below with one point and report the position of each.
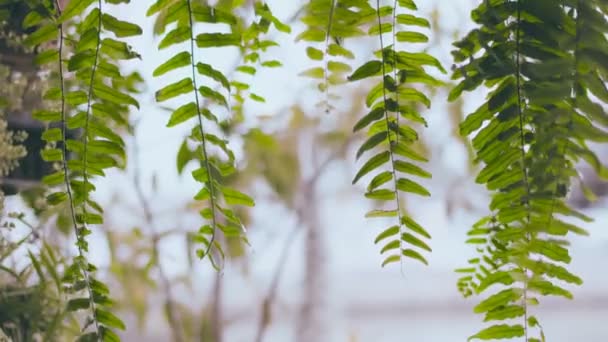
(538, 58)
(543, 62)
(393, 108)
(99, 93)
(330, 22)
(214, 168)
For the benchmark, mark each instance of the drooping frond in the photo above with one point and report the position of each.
(392, 103)
(254, 46)
(529, 134)
(91, 93)
(185, 14)
(328, 24)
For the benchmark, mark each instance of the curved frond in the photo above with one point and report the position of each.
(529, 134)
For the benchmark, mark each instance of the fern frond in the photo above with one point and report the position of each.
(213, 169)
(254, 45)
(95, 80)
(389, 101)
(529, 135)
(330, 23)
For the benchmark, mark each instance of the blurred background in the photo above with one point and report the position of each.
(311, 271)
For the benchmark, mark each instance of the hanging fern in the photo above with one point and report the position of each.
(329, 23)
(543, 63)
(390, 101)
(254, 45)
(529, 134)
(185, 13)
(87, 107)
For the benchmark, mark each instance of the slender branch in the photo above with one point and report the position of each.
(274, 285)
(388, 136)
(325, 58)
(394, 53)
(212, 199)
(523, 157)
(66, 174)
(284, 255)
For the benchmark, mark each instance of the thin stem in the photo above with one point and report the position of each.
(388, 136)
(523, 158)
(394, 53)
(325, 55)
(66, 175)
(203, 139)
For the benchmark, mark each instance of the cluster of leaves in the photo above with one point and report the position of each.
(329, 23)
(392, 103)
(31, 304)
(81, 140)
(253, 46)
(544, 62)
(213, 167)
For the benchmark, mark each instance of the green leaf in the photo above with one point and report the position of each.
(409, 4)
(117, 49)
(414, 226)
(501, 331)
(391, 231)
(42, 35)
(209, 71)
(551, 250)
(205, 40)
(76, 304)
(272, 64)
(183, 113)
(74, 8)
(505, 312)
(498, 277)
(410, 253)
(338, 50)
(381, 194)
(172, 90)
(381, 213)
(56, 198)
(391, 259)
(408, 19)
(410, 168)
(372, 164)
(314, 54)
(47, 56)
(371, 68)
(411, 37)
(53, 179)
(109, 319)
(179, 60)
(46, 115)
(257, 98)
(235, 197)
(316, 72)
(52, 154)
(118, 27)
(412, 94)
(112, 95)
(372, 142)
(407, 185)
(338, 67)
(414, 241)
(175, 36)
(312, 35)
(379, 180)
(501, 298)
